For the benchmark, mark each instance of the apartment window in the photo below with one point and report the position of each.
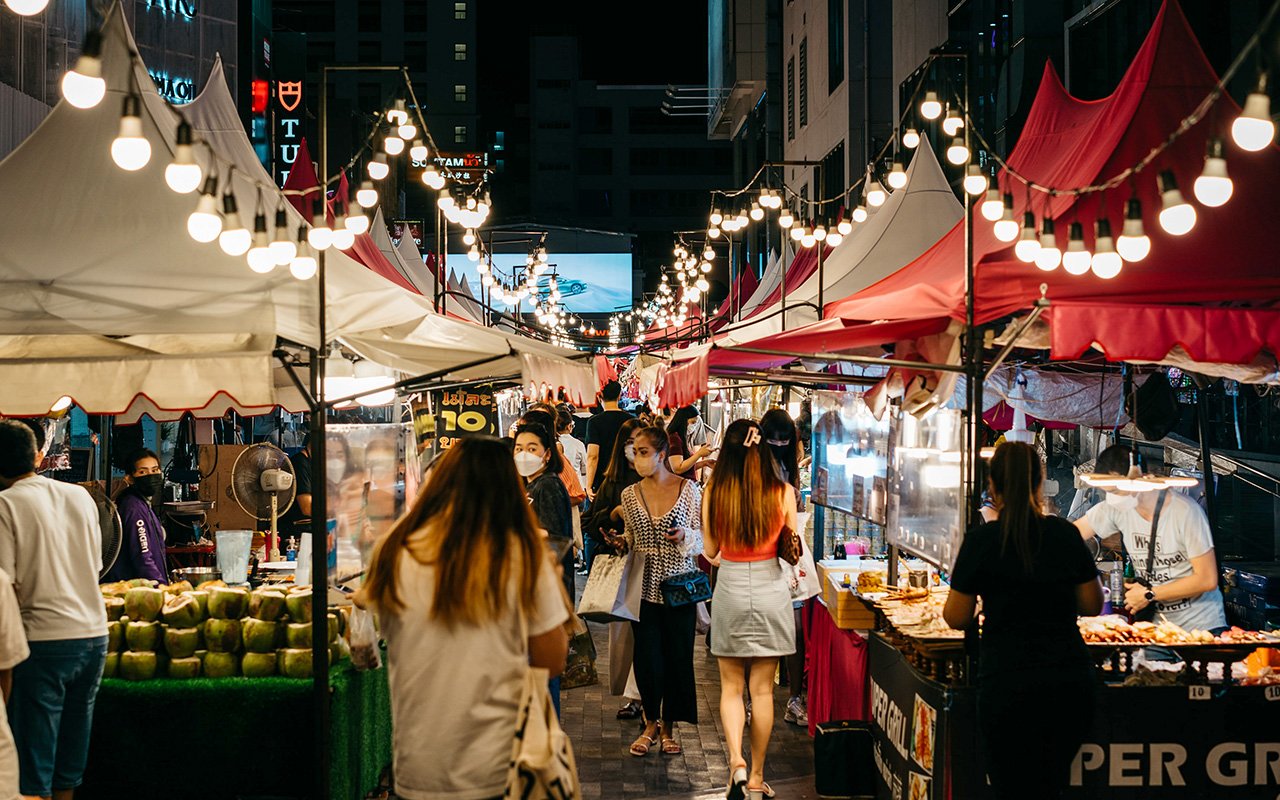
(460, 92)
(459, 10)
(459, 134)
(415, 17)
(835, 44)
(791, 98)
(369, 17)
(369, 52)
(593, 119)
(553, 125)
(460, 52)
(595, 161)
(804, 82)
(553, 83)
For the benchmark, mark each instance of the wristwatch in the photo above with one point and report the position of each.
(1150, 595)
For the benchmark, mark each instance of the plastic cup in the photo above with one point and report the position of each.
(233, 555)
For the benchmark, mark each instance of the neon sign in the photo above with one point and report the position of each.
(460, 167)
(288, 127)
(178, 8)
(175, 90)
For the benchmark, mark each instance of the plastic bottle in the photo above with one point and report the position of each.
(291, 549)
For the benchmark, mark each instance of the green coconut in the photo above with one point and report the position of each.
(142, 637)
(179, 587)
(111, 667)
(333, 628)
(221, 665)
(200, 654)
(259, 635)
(138, 666)
(182, 611)
(266, 604)
(139, 582)
(259, 665)
(115, 607)
(209, 586)
(202, 600)
(222, 635)
(143, 603)
(335, 653)
(115, 636)
(181, 643)
(299, 606)
(294, 663)
(117, 589)
(227, 603)
(299, 634)
(184, 668)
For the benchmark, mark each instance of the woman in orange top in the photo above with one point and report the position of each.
(752, 626)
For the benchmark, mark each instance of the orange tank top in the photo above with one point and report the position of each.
(764, 551)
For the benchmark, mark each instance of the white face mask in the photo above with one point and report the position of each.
(646, 466)
(693, 428)
(630, 453)
(1122, 502)
(527, 464)
(337, 468)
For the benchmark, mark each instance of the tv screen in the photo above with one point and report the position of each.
(589, 283)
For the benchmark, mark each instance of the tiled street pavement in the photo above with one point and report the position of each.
(607, 770)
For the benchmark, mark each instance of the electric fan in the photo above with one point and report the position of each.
(110, 525)
(262, 484)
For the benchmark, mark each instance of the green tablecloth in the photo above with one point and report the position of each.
(236, 737)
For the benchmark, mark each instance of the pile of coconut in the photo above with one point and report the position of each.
(213, 630)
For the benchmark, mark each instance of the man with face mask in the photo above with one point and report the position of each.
(1184, 575)
(142, 553)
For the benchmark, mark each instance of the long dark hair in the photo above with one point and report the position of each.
(476, 528)
(549, 443)
(619, 471)
(679, 424)
(1015, 484)
(780, 434)
(745, 495)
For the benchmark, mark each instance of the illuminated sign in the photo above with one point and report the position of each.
(175, 90)
(460, 167)
(178, 8)
(290, 93)
(412, 227)
(288, 127)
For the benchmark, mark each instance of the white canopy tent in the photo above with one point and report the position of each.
(130, 305)
(415, 272)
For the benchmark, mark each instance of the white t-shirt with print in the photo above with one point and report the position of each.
(1183, 535)
(576, 452)
(13, 651)
(455, 693)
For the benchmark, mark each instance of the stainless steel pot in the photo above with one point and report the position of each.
(197, 575)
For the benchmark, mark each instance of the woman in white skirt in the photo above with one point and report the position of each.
(752, 626)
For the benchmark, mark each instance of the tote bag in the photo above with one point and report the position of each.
(802, 577)
(542, 765)
(614, 589)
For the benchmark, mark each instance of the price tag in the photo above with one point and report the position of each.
(1272, 693)
(1199, 693)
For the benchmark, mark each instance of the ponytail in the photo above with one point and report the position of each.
(1015, 480)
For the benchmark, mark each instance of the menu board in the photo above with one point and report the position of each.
(924, 486)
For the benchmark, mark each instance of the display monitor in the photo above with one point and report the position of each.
(589, 283)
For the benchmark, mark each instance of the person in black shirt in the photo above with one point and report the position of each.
(602, 432)
(539, 462)
(1035, 679)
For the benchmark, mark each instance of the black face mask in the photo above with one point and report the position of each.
(148, 485)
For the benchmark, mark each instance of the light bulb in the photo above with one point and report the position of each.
(1253, 129)
(820, 233)
(992, 206)
(897, 176)
(1213, 187)
(876, 195)
(958, 152)
(283, 247)
(741, 220)
(343, 237)
(860, 214)
(1028, 243)
(432, 177)
(953, 123)
(786, 219)
(835, 239)
(303, 266)
(706, 267)
(26, 8)
(235, 238)
(473, 254)
(378, 168)
(1133, 244)
(61, 404)
(366, 195)
(183, 174)
(975, 181)
(1106, 261)
(1048, 257)
(394, 145)
(1006, 228)
(321, 235)
(83, 86)
(757, 213)
(407, 131)
(1076, 260)
(130, 150)
(357, 223)
(844, 227)
(709, 253)
(1177, 216)
(204, 224)
(419, 151)
(445, 201)
(808, 240)
(469, 238)
(261, 259)
(911, 139)
(797, 233)
(931, 108)
(714, 233)
(716, 217)
(702, 284)
(397, 115)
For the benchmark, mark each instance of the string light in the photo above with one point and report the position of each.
(321, 235)
(860, 214)
(1133, 244)
(378, 167)
(845, 226)
(432, 177)
(261, 259)
(419, 151)
(394, 145)
(1213, 188)
(786, 219)
(714, 233)
(797, 233)
(1076, 260)
(83, 86)
(820, 232)
(952, 124)
(835, 239)
(992, 206)
(931, 107)
(26, 8)
(407, 131)
(958, 152)
(757, 213)
(1028, 242)
(398, 115)
(1006, 228)
(975, 181)
(130, 150)
(366, 195)
(876, 195)
(1106, 262)
(897, 176)
(357, 223)
(709, 253)
(283, 248)
(911, 139)
(1177, 216)
(1048, 257)
(717, 218)
(204, 224)
(183, 174)
(1253, 129)
(235, 238)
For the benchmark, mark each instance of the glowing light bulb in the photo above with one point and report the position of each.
(897, 176)
(1133, 244)
(1106, 262)
(366, 195)
(992, 206)
(1028, 243)
(844, 227)
(394, 145)
(343, 237)
(958, 152)
(1213, 188)
(975, 181)
(876, 195)
(1006, 228)
(952, 124)
(432, 177)
(716, 217)
(1177, 216)
(1048, 257)
(407, 131)
(1076, 260)
(378, 168)
(303, 266)
(931, 108)
(183, 174)
(702, 284)
(797, 233)
(83, 86)
(786, 219)
(741, 220)
(321, 235)
(357, 223)
(469, 238)
(835, 239)
(130, 150)
(235, 238)
(820, 233)
(260, 257)
(808, 240)
(860, 214)
(1253, 129)
(911, 139)
(418, 152)
(26, 8)
(757, 213)
(709, 253)
(204, 224)
(714, 233)
(283, 247)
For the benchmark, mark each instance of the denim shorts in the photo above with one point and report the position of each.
(51, 712)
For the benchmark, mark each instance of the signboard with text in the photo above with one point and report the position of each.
(288, 106)
(464, 412)
(460, 167)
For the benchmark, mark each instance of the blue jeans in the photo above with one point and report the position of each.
(553, 686)
(51, 712)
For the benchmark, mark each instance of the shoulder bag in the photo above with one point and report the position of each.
(1148, 612)
(686, 588)
(542, 765)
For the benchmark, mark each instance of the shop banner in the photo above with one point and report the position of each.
(464, 412)
(907, 723)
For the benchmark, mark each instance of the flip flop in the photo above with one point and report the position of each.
(640, 747)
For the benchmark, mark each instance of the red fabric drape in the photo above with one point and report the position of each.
(683, 385)
(801, 268)
(1148, 333)
(826, 336)
(836, 661)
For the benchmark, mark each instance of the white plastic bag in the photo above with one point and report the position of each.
(364, 640)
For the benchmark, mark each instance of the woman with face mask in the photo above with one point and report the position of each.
(538, 463)
(142, 553)
(661, 518)
(684, 457)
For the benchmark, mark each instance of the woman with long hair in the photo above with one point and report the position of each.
(1034, 575)
(780, 434)
(468, 600)
(603, 535)
(685, 457)
(538, 460)
(661, 520)
(752, 623)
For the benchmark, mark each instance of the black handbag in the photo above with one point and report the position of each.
(843, 760)
(685, 589)
(1148, 612)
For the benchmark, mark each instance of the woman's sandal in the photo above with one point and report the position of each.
(670, 747)
(640, 747)
(737, 789)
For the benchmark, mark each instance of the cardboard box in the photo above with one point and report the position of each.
(215, 463)
(850, 612)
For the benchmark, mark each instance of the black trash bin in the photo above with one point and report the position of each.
(844, 765)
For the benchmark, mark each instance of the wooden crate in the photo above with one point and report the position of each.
(850, 612)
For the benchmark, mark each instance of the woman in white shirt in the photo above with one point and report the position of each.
(468, 599)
